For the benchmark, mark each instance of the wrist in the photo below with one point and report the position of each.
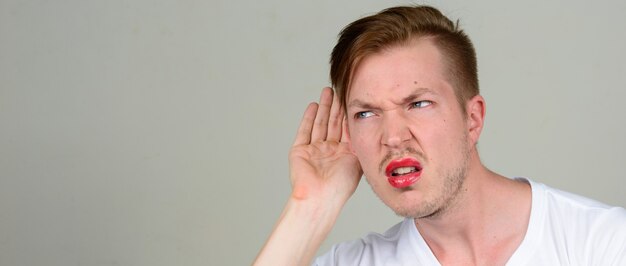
(317, 209)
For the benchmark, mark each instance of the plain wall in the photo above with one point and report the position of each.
(157, 132)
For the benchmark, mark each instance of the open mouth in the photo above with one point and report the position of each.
(403, 172)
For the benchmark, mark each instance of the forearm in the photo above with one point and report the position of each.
(301, 229)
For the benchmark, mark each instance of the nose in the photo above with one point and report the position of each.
(395, 131)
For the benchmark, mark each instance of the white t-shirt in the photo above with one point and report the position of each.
(564, 229)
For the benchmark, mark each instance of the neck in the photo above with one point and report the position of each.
(485, 223)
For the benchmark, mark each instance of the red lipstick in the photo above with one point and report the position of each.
(403, 172)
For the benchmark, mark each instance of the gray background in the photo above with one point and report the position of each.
(156, 132)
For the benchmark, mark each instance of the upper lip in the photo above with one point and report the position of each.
(402, 162)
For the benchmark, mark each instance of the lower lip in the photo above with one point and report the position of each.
(404, 180)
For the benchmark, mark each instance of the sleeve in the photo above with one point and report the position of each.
(607, 243)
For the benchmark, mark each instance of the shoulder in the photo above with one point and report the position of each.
(595, 232)
(368, 250)
(587, 211)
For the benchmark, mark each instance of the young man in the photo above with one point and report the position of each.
(407, 114)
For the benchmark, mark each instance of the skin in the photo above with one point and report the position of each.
(400, 105)
(324, 173)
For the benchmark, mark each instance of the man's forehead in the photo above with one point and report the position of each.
(416, 64)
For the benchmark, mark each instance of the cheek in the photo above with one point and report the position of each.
(364, 144)
(432, 136)
(362, 148)
(443, 139)
(361, 137)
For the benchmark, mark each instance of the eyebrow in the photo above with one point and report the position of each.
(409, 98)
(360, 104)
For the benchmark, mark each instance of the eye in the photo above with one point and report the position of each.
(421, 104)
(364, 114)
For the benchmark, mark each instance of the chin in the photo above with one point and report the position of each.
(406, 202)
(417, 210)
(411, 211)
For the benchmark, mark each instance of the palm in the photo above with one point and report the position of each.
(321, 162)
(324, 167)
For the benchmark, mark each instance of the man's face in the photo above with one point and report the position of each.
(408, 129)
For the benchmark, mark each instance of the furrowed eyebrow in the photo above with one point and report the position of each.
(416, 93)
(360, 104)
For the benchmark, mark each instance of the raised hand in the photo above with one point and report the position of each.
(322, 166)
(324, 174)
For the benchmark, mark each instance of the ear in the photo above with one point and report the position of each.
(345, 133)
(476, 109)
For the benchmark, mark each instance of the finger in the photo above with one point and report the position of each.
(320, 126)
(335, 120)
(303, 136)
